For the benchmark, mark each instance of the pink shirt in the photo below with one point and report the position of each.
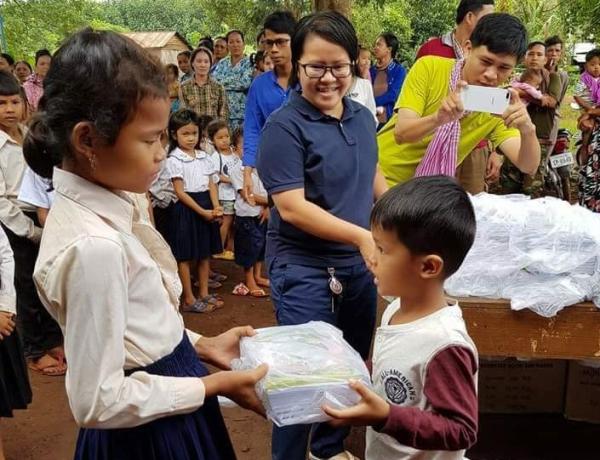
(34, 90)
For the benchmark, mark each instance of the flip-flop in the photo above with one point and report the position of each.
(214, 300)
(218, 277)
(199, 306)
(241, 290)
(51, 370)
(258, 293)
(214, 284)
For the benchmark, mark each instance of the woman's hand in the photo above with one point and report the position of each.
(222, 349)
(7, 324)
(239, 386)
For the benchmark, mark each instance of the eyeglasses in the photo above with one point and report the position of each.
(279, 42)
(319, 71)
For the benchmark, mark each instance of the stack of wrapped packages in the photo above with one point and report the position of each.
(309, 366)
(542, 254)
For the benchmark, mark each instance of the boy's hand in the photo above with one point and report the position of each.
(264, 215)
(516, 115)
(371, 410)
(7, 324)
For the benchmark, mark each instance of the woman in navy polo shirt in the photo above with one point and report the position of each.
(318, 160)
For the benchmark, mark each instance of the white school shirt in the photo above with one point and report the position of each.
(110, 281)
(401, 354)
(227, 163)
(8, 294)
(196, 172)
(161, 191)
(242, 207)
(362, 92)
(12, 168)
(36, 190)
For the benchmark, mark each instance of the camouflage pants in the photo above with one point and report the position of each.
(514, 181)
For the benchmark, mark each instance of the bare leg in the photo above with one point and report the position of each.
(186, 282)
(203, 269)
(250, 280)
(225, 227)
(260, 280)
(230, 237)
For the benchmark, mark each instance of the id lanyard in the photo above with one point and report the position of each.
(335, 286)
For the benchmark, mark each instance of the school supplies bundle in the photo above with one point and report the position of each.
(542, 254)
(309, 366)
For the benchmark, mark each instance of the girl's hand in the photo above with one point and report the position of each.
(222, 349)
(208, 216)
(264, 215)
(371, 410)
(239, 386)
(7, 324)
(218, 211)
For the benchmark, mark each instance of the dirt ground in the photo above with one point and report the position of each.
(46, 430)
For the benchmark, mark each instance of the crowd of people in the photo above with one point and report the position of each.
(282, 161)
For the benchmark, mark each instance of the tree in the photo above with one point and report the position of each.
(343, 6)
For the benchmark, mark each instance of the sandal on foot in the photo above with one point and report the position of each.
(258, 293)
(200, 306)
(47, 365)
(265, 284)
(241, 290)
(214, 300)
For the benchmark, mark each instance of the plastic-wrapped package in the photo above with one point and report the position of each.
(309, 366)
(541, 254)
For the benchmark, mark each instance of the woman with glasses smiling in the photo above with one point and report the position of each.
(317, 158)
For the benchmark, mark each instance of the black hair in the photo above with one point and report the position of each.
(280, 22)
(260, 35)
(26, 63)
(429, 215)
(40, 54)
(203, 122)
(391, 41)
(330, 26)
(8, 58)
(214, 127)
(234, 31)
(124, 74)
(177, 121)
(172, 68)
(9, 85)
(207, 42)
(257, 57)
(202, 49)
(470, 6)
(238, 133)
(554, 40)
(501, 33)
(185, 53)
(595, 53)
(534, 44)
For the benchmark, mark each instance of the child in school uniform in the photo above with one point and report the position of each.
(38, 192)
(136, 383)
(163, 197)
(197, 213)
(251, 217)
(424, 366)
(42, 339)
(15, 392)
(218, 133)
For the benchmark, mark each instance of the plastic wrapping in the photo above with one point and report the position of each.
(542, 254)
(309, 366)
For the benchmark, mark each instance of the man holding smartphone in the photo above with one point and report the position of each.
(543, 115)
(482, 165)
(427, 102)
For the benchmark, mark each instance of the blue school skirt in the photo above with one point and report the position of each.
(192, 237)
(250, 238)
(200, 435)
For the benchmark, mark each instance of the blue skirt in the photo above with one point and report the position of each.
(192, 237)
(250, 238)
(201, 435)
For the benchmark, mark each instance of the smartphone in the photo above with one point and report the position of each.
(484, 99)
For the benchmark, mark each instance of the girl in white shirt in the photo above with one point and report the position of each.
(218, 133)
(136, 381)
(197, 213)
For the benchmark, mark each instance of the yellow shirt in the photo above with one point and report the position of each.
(425, 87)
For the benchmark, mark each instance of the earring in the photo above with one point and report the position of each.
(93, 162)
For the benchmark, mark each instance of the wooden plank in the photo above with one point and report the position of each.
(498, 331)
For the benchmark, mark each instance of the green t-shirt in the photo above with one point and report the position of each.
(426, 86)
